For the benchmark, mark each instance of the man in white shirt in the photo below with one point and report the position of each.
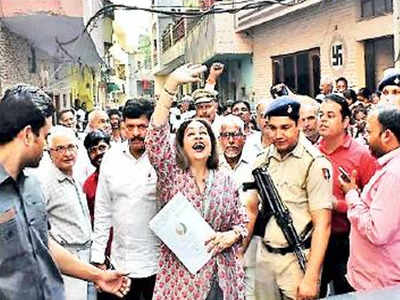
(126, 200)
(182, 114)
(97, 120)
(238, 164)
(309, 120)
(259, 140)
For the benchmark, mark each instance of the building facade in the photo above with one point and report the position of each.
(43, 43)
(204, 40)
(299, 44)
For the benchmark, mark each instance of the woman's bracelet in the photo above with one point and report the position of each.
(171, 94)
(236, 230)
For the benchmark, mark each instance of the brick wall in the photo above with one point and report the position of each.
(317, 27)
(14, 67)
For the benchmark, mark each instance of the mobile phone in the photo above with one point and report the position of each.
(279, 90)
(218, 66)
(345, 176)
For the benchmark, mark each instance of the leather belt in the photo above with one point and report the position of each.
(289, 249)
(77, 246)
(306, 242)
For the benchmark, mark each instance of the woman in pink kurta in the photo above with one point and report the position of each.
(214, 196)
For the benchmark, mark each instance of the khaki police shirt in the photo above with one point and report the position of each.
(303, 178)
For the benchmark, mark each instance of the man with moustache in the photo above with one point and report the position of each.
(115, 121)
(374, 213)
(345, 152)
(97, 120)
(309, 120)
(205, 100)
(126, 201)
(239, 164)
(206, 105)
(96, 143)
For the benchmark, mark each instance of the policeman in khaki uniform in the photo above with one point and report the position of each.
(302, 177)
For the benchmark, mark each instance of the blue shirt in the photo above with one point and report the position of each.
(27, 271)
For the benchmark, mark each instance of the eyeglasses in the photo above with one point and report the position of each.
(99, 148)
(234, 135)
(64, 149)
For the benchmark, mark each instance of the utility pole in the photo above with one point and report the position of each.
(396, 32)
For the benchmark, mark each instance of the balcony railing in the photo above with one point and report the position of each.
(173, 34)
(177, 31)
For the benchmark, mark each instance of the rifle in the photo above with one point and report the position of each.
(272, 205)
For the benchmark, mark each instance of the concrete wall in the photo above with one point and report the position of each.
(317, 27)
(226, 39)
(214, 35)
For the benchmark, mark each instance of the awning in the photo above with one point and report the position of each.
(59, 36)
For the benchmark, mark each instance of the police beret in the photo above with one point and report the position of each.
(284, 106)
(390, 77)
(203, 96)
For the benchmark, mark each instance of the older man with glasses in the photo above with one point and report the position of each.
(66, 206)
(238, 163)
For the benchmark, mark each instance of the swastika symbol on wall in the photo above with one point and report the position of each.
(337, 55)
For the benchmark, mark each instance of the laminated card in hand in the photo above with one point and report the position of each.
(180, 226)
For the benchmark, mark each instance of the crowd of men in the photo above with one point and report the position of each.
(334, 160)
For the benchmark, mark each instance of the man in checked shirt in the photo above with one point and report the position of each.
(66, 206)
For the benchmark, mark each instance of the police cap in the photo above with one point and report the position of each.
(203, 96)
(285, 106)
(390, 77)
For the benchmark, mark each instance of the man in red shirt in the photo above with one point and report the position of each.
(96, 143)
(342, 151)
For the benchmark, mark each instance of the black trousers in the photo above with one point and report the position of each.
(141, 289)
(335, 265)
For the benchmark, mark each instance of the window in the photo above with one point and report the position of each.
(373, 8)
(299, 71)
(32, 61)
(64, 97)
(379, 55)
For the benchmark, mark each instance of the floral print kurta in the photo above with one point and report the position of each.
(224, 212)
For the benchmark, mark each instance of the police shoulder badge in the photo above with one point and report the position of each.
(326, 173)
